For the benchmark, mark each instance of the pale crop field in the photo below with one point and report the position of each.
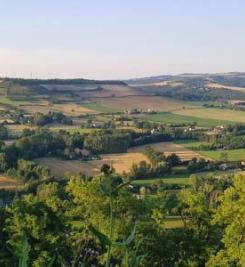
(59, 167)
(222, 86)
(15, 130)
(156, 103)
(121, 163)
(8, 183)
(168, 148)
(66, 108)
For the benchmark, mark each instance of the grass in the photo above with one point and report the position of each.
(73, 129)
(172, 222)
(181, 179)
(233, 154)
(12, 102)
(171, 118)
(157, 103)
(100, 107)
(214, 114)
(190, 144)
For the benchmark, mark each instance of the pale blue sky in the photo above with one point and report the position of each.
(120, 39)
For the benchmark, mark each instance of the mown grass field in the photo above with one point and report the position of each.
(181, 179)
(190, 144)
(12, 102)
(214, 114)
(233, 154)
(70, 128)
(171, 118)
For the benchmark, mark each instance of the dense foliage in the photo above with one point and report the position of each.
(99, 222)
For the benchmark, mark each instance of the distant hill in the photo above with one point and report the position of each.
(185, 86)
(194, 86)
(29, 82)
(76, 88)
(236, 79)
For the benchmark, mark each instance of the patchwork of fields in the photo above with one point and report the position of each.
(121, 162)
(232, 154)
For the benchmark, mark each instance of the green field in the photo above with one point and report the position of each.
(213, 113)
(168, 117)
(12, 102)
(73, 130)
(181, 179)
(190, 144)
(233, 154)
(170, 222)
(100, 108)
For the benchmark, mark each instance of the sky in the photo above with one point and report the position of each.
(112, 39)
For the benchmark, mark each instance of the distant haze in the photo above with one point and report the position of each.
(114, 39)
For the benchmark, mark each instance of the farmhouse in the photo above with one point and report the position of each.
(7, 121)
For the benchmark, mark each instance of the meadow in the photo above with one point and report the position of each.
(180, 179)
(183, 179)
(121, 162)
(214, 114)
(233, 154)
(173, 118)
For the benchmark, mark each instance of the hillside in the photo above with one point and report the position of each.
(207, 87)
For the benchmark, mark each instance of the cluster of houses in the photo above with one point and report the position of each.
(139, 111)
(8, 118)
